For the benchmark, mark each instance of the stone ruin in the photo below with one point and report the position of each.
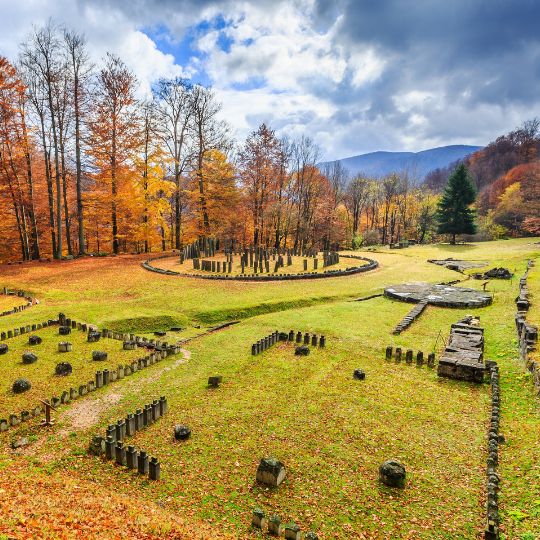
(359, 374)
(438, 295)
(34, 340)
(65, 346)
(102, 378)
(29, 358)
(306, 338)
(271, 472)
(392, 473)
(463, 356)
(424, 294)
(112, 445)
(214, 381)
(182, 433)
(21, 294)
(290, 531)
(409, 354)
(494, 273)
(457, 265)
(63, 369)
(21, 385)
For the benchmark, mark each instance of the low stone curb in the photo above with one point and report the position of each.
(527, 333)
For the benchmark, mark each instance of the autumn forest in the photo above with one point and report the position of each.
(88, 166)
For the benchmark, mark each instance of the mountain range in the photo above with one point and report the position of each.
(418, 164)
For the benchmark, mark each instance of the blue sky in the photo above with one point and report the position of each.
(355, 75)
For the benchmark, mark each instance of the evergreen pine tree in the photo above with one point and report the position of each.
(454, 213)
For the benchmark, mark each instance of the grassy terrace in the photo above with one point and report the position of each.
(41, 374)
(331, 432)
(8, 302)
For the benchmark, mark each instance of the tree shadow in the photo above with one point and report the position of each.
(457, 248)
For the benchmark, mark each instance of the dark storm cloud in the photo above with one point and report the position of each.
(488, 48)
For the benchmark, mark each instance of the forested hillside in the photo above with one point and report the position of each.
(507, 174)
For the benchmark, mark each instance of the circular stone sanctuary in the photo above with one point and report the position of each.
(212, 258)
(270, 267)
(438, 295)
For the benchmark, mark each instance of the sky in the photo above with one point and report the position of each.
(354, 75)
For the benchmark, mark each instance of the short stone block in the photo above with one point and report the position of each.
(292, 532)
(271, 472)
(258, 519)
(392, 473)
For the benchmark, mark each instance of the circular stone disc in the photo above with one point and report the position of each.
(438, 295)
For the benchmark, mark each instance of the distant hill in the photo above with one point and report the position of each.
(417, 163)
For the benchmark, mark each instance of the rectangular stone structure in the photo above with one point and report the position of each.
(154, 469)
(130, 425)
(131, 457)
(462, 358)
(142, 463)
(120, 453)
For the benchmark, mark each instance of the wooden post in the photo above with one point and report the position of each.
(47, 422)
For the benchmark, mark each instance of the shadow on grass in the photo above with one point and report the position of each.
(457, 248)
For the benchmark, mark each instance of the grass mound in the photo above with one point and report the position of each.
(145, 325)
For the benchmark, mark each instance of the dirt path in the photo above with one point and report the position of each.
(84, 413)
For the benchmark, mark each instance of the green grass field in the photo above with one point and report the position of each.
(332, 432)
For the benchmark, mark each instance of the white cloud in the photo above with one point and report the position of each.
(366, 66)
(344, 75)
(106, 30)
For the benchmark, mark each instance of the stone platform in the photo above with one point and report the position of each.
(438, 295)
(463, 357)
(457, 264)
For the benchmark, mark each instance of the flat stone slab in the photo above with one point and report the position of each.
(458, 264)
(438, 295)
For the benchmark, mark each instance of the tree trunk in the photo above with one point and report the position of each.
(114, 190)
(48, 179)
(30, 182)
(80, 207)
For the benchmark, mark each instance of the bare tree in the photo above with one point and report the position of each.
(305, 156)
(356, 198)
(174, 99)
(80, 70)
(337, 176)
(115, 128)
(40, 55)
(209, 133)
(37, 99)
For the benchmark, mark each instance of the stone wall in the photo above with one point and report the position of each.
(527, 333)
(462, 358)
